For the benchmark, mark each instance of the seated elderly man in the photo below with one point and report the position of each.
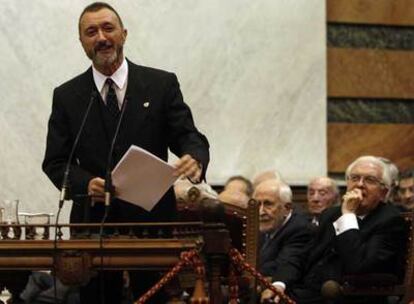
(394, 173)
(284, 233)
(406, 191)
(364, 235)
(322, 193)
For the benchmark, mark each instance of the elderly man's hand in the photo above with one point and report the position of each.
(268, 296)
(188, 167)
(351, 201)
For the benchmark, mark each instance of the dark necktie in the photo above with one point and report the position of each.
(111, 99)
(266, 240)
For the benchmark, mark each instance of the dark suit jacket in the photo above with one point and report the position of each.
(282, 256)
(166, 123)
(376, 247)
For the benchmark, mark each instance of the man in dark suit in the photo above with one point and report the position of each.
(155, 118)
(284, 234)
(362, 236)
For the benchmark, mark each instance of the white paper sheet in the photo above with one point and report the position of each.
(142, 178)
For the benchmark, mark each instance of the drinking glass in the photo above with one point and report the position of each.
(38, 228)
(10, 216)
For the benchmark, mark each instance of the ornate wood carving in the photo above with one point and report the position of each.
(74, 267)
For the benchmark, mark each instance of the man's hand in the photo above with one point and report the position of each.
(351, 201)
(188, 167)
(268, 296)
(96, 189)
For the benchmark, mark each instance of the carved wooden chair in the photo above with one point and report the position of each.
(379, 285)
(243, 225)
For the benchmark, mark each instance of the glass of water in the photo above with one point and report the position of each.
(37, 225)
(10, 217)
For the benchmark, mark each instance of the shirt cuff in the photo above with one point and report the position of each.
(279, 284)
(346, 222)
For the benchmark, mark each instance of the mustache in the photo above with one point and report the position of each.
(102, 45)
(264, 218)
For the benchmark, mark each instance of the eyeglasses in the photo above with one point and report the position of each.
(367, 180)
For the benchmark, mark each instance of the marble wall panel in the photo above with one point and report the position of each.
(252, 71)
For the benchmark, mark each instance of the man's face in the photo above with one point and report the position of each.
(272, 210)
(406, 192)
(321, 195)
(102, 38)
(367, 177)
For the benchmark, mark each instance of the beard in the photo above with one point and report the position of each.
(109, 59)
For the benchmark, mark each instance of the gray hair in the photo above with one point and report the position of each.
(394, 172)
(332, 185)
(386, 175)
(285, 193)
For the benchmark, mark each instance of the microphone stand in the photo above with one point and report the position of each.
(65, 183)
(109, 189)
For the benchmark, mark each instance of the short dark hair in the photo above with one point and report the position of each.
(407, 174)
(96, 6)
(248, 183)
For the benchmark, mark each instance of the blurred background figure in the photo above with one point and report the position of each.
(266, 175)
(391, 196)
(237, 191)
(235, 198)
(239, 183)
(322, 193)
(405, 191)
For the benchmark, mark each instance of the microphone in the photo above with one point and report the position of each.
(109, 188)
(65, 183)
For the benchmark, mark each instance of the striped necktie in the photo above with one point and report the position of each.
(111, 99)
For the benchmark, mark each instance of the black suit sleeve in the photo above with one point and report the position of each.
(58, 146)
(371, 253)
(288, 263)
(183, 137)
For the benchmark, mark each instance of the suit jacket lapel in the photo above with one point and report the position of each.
(277, 235)
(137, 109)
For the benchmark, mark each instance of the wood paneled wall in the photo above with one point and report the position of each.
(387, 12)
(377, 71)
